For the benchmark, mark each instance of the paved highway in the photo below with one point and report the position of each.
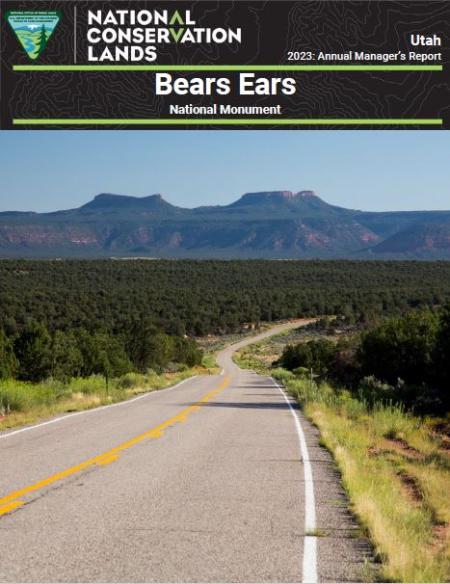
(218, 479)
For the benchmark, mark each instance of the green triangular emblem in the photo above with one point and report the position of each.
(176, 18)
(33, 29)
(176, 34)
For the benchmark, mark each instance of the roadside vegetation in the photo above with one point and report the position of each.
(43, 373)
(24, 402)
(387, 427)
(63, 323)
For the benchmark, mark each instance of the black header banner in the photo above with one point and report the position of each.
(228, 65)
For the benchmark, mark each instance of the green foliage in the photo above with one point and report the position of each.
(102, 354)
(67, 359)
(409, 355)
(130, 380)
(282, 375)
(209, 361)
(33, 352)
(186, 351)
(31, 401)
(42, 41)
(404, 359)
(22, 396)
(141, 344)
(313, 355)
(323, 358)
(111, 317)
(442, 355)
(8, 361)
(36, 355)
(203, 297)
(371, 391)
(402, 348)
(149, 348)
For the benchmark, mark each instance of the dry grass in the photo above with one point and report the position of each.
(24, 403)
(395, 468)
(396, 478)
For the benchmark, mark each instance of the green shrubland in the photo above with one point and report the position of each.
(403, 359)
(210, 296)
(43, 372)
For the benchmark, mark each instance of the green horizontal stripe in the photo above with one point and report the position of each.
(227, 67)
(226, 121)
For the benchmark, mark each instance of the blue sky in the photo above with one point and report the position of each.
(370, 170)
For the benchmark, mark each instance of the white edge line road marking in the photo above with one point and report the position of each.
(309, 572)
(92, 410)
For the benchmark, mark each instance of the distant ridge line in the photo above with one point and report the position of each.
(276, 224)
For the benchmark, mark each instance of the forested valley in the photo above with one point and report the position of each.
(71, 318)
(76, 318)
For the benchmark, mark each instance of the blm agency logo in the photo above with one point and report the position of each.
(33, 29)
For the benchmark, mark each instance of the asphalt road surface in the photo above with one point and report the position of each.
(218, 479)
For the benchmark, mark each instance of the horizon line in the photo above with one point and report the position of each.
(160, 195)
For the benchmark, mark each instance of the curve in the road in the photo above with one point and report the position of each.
(219, 501)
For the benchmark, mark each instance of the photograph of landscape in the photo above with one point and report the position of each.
(225, 356)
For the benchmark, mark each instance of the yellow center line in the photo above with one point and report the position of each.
(8, 502)
(10, 507)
